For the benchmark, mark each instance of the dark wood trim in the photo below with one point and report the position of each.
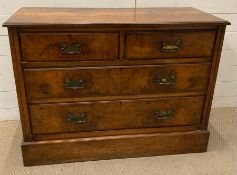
(126, 26)
(115, 62)
(108, 29)
(115, 28)
(19, 81)
(121, 45)
(109, 67)
(114, 98)
(103, 27)
(42, 137)
(110, 147)
(213, 76)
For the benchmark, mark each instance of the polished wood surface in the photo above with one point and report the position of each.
(131, 62)
(50, 118)
(98, 85)
(119, 97)
(213, 76)
(37, 16)
(47, 46)
(141, 45)
(111, 147)
(50, 83)
(117, 132)
(19, 81)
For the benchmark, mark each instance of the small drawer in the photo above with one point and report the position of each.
(173, 44)
(109, 115)
(69, 46)
(115, 81)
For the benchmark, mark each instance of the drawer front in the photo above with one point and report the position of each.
(69, 46)
(95, 82)
(109, 115)
(150, 45)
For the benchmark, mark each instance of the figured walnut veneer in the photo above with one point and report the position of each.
(113, 83)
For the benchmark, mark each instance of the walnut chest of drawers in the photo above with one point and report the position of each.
(113, 83)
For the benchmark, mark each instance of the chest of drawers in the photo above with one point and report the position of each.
(113, 83)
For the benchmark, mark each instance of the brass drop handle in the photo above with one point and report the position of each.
(72, 48)
(74, 118)
(74, 84)
(165, 80)
(170, 46)
(162, 115)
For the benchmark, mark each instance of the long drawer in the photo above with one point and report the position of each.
(169, 44)
(69, 46)
(115, 81)
(110, 115)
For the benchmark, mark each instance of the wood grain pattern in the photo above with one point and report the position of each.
(118, 81)
(82, 17)
(46, 46)
(142, 45)
(20, 88)
(87, 134)
(109, 81)
(46, 64)
(213, 76)
(109, 115)
(83, 149)
(117, 97)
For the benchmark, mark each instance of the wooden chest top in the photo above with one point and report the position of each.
(37, 16)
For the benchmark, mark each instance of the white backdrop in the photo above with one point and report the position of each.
(226, 87)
